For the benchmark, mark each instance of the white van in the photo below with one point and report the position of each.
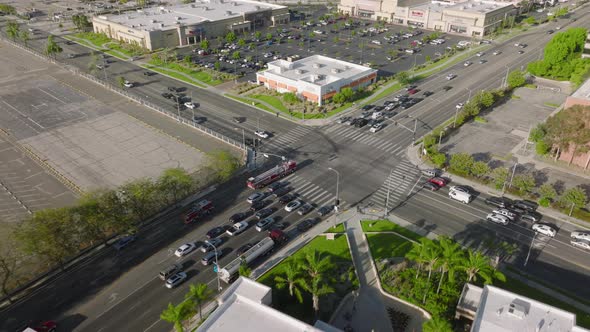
(460, 196)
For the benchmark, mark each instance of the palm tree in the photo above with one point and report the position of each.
(417, 254)
(314, 265)
(476, 265)
(244, 270)
(177, 314)
(317, 289)
(52, 48)
(291, 278)
(451, 256)
(437, 324)
(431, 257)
(199, 294)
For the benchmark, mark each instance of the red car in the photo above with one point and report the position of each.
(48, 326)
(431, 186)
(413, 91)
(438, 181)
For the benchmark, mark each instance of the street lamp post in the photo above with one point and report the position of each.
(216, 264)
(415, 57)
(337, 202)
(386, 213)
(530, 248)
(506, 77)
(468, 98)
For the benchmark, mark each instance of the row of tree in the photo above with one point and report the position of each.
(14, 32)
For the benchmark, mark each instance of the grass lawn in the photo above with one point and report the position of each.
(336, 229)
(244, 100)
(338, 250)
(387, 245)
(272, 101)
(388, 226)
(199, 75)
(175, 75)
(95, 39)
(551, 105)
(392, 89)
(582, 318)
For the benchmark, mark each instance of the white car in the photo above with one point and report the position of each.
(376, 115)
(498, 219)
(479, 53)
(451, 76)
(255, 197)
(376, 127)
(459, 106)
(293, 205)
(185, 249)
(128, 84)
(581, 236)
(497, 52)
(467, 63)
(544, 229)
(460, 189)
(376, 42)
(237, 228)
(190, 105)
(581, 244)
(176, 279)
(505, 213)
(261, 133)
(517, 44)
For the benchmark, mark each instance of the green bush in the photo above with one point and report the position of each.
(461, 163)
(544, 202)
(542, 148)
(439, 159)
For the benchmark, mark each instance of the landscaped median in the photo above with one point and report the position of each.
(336, 278)
(103, 43)
(187, 72)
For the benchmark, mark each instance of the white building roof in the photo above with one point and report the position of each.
(470, 6)
(165, 18)
(316, 69)
(502, 311)
(245, 307)
(583, 91)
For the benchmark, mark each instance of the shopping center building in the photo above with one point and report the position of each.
(316, 78)
(178, 25)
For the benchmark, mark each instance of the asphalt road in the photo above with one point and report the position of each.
(367, 163)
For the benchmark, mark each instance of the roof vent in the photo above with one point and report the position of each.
(176, 22)
(205, 8)
(161, 25)
(178, 18)
(336, 70)
(257, 7)
(234, 4)
(128, 17)
(317, 65)
(228, 12)
(516, 310)
(299, 71)
(154, 21)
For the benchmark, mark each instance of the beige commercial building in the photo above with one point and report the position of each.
(160, 27)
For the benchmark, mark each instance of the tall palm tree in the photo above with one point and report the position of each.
(432, 255)
(476, 265)
(437, 324)
(177, 314)
(317, 289)
(244, 270)
(451, 256)
(199, 294)
(417, 254)
(314, 265)
(291, 278)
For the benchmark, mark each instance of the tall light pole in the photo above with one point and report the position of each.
(468, 98)
(415, 57)
(216, 264)
(530, 248)
(388, 190)
(506, 77)
(337, 202)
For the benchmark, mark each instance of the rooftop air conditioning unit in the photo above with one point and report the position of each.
(336, 70)
(228, 12)
(299, 71)
(178, 18)
(176, 22)
(316, 65)
(517, 310)
(154, 21)
(234, 4)
(257, 7)
(161, 25)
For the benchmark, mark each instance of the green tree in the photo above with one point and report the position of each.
(244, 270)
(575, 197)
(538, 133)
(140, 197)
(236, 55)
(81, 22)
(177, 314)
(258, 35)
(269, 36)
(461, 163)
(478, 264)
(12, 30)
(291, 279)
(480, 169)
(187, 60)
(530, 20)
(439, 159)
(516, 79)
(524, 182)
(121, 81)
(9, 263)
(51, 47)
(231, 37)
(542, 148)
(223, 163)
(418, 254)
(547, 191)
(290, 98)
(317, 288)
(174, 184)
(198, 295)
(452, 256)
(204, 44)
(8, 9)
(217, 65)
(25, 37)
(403, 78)
(499, 176)
(100, 214)
(437, 324)
(485, 98)
(241, 42)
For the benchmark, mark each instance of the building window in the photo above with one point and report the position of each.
(398, 20)
(458, 29)
(416, 24)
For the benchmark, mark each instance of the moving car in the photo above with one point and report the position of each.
(305, 225)
(264, 213)
(438, 181)
(467, 63)
(304, 209)
(497, 52)
(506, 213)
(190, 105)
(261, 133)
(580, 236)
(185, 249)
(274, 186)
(461, 196)
(241, 250)
(286, 198)
(212, 257)
(237, 217)
(581, 244)
(544, 229)
(265, 223)
(255, 197)
(128, 84)
(462, 189)
(430, 186)
(170, 270)
(343, 119)
(282, 191)
(258, 205)
(501, 202)
(496, 218)
(176, 279)
(325, 210)
(215, 232)
(480, 54)
(376, 127)
(531, 216)
(459, 106)
(124, 242)
(210, 244)
(451, 76)
(482, 61)
(293, 205)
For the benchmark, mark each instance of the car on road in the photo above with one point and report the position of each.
(581, 244)
(148, 73)
(237, 228)
(172, 89)
(343, 119)
(446, 88)
(544, 229)
(580, 236)
(497, 52)
(427, 93)
(100, 67)
(496, 218)
(255, 197)
(286, 198)
(185, 249)
(531, 216)
(282, 191)
(215, 232)
(479, 54)
(274, 186)
(241, 250)
(71, 55)
(264, 213)
(462, 189)
(176, 279)
(304, 209)
(212, 257)
(265, 224)
(167, 95)
(520, 52)
(124, 242)
(208, 245)
(128, 84)
(325, 210)
(376, 127)
(459, 106)
(438, 181)
(482, 61)
(526, 205)
(306, 225)
(467, 63)
(237, 217)
(501, 202)
(367, 107)
(190, 104)
(361, 123)
(430, 186)
(451, 76)
(506, 213)
(259, 205)
(261, 133)
(293, 205)
(170, 270)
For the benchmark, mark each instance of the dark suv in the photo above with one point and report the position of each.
(501, 202)
(526, 205)
(361, 123)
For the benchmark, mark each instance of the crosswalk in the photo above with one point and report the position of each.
(399, 183)
(312, 193)
(282, 141)
(362, 135)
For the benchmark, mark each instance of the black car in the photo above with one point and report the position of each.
(148, 73)
(447, 88)
(215, 232)
(361, 123)
(252, 142)
(373, 122)
(367, 107)
(305, 225)
(258, 205)
(531, 216)
(501, 202)
(324, 210)
(278, 226)
(167, 95)
(264, 213)
(304, 209)
(526, 205)
(427, 93)
(172, 89)
(238, 217)
(281, 191)
(274, 186)
(241, 250)
(378, 108)
(287, 198)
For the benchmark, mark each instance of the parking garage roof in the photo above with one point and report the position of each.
(165, 18)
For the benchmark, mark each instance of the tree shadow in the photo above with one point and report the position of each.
(482, 156)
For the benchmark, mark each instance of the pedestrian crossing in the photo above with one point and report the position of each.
(399, 184)
(363, 136)
(312, 193)
(281, 141)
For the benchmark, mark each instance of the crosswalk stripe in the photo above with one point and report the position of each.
(304, 187)
(321, 194)
(311, 192)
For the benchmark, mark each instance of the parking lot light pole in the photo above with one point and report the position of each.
(415, 57)
(468, 98)
(217, 264)
(337, 202)
(386, 213)
(530, 248)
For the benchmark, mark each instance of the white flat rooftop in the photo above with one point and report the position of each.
(583, 91)
(503, 311)
(316, 69)
(189, 14)
(480, 7)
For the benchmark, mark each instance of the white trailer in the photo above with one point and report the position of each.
(460, 196)
(230, 271)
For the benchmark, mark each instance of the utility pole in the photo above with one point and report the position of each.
(414, 132)
(440, 138)
(337, 201)
(530, 248)
(386, 213)
(512, 177)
